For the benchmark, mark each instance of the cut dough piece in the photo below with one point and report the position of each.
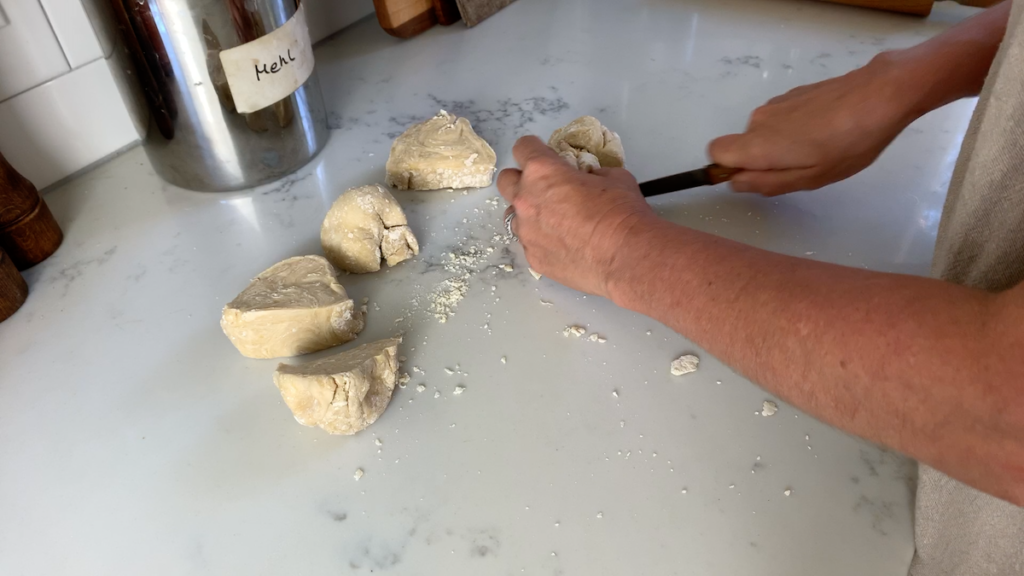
(364, 225)
(588, 145)
(343, 393)
(442, 152)
(294, 307)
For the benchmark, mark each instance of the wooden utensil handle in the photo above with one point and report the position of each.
(13, 289)
(915, 7)
(718, 174)
(405, 18)
(28, 231)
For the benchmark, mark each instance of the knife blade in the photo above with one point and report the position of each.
(707, 176)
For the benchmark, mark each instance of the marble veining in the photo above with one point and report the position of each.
(134, 439)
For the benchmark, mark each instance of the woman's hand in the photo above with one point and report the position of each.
(571, 224)
(822, 133)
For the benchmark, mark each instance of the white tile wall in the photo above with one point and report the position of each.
(57, 129)
(74, 31)
(29, 51)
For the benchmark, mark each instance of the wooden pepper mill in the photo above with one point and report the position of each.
(28, 232)
(13, 289)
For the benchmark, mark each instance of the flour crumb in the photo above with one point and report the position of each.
(546, 303)
(593, 337)
(535, 274)
(684, 365)
(358, 474)
(378, 442)
(459, 389)
(601, 339)
(684, 490)
(437, 393)
(504, 360)
(622, 423)
(421, 387)
(576, 331)
(787, 491)
(600, 514)
(449, 371)
(403, 379)
(769, 408)
(506, 267)
(615, 393)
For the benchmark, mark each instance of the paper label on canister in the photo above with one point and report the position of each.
(271, 67)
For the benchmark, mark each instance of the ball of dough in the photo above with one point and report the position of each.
(343, 393)
(586, 144)
(443, 152)
(294, 307)
(364, 226)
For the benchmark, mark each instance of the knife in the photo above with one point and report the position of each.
(707, 176)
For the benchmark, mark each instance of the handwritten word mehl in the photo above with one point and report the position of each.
(276, 66)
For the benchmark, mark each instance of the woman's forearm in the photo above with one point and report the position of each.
(952, 65)
(920, 365)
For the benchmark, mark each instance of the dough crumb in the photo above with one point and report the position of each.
(506, 267)
(615, 393)
(536, 275)
(459, 389)
(437, 393)
(378, 442)
(593, 337)
(403, 379)
(576, 331)
(600, 514)
(421, 387)
(787, 491)
(769, 408)
(684, 365)
(546, 303)
(358, 474)
(504, 360)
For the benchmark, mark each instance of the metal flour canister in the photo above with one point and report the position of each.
(232, 95)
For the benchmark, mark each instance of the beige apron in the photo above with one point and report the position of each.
(959, 530)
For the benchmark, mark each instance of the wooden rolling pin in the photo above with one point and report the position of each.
(28, 232)
(13, 290)
(916, 7)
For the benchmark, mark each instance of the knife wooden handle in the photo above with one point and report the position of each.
(915, 7)
(718, 174)
(13, 289)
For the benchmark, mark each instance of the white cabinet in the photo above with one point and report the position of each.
(29, 51)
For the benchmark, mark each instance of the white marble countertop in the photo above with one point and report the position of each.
(135, 440)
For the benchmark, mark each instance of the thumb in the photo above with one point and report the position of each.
(740, 151)
(775, 182)
(618, 175)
